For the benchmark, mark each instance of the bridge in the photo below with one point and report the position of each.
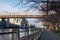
(21, 16)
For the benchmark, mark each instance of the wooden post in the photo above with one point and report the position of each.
(16, 36)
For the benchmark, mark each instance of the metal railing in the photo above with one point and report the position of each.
(30, 33)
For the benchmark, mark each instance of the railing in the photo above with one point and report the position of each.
(30, 33)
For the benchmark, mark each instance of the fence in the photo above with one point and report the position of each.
(14, 33)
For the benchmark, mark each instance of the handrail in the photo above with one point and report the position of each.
(29, 35)
(3, 33)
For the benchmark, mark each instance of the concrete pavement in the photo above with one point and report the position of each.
(49, 35)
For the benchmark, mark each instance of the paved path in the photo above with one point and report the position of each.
(49, 35)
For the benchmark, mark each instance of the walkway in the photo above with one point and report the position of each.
(49, 35)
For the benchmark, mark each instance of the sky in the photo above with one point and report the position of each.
(21, 5)
(16, 5)
(8, 6)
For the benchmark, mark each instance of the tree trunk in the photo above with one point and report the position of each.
(58, 27)
(54, 25)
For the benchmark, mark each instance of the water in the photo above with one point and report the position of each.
(6, 36)
(9, 36)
